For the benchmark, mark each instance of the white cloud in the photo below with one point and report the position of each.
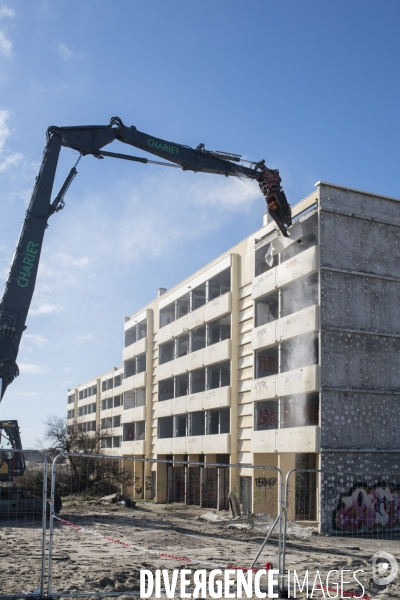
(65, 52)
(14, 158)
(30, 339)
(80, 339)
(10, 161)
(6, 11)
(31, 369)
(4, 130)
(5, 45)
(46, 309)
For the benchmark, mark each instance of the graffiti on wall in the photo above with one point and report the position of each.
(264, 482)
(378, 506)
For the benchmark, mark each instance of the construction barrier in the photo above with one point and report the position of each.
(97, 519)
(23, 509)
(123, 515)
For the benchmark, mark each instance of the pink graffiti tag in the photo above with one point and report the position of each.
(374, 507)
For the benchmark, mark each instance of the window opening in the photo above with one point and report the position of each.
(300, 351)
(197, 381)
(199, 296)
(165, 427)
(219, 330)
(130, 336)
(266, 415)
(183, 305)
(220, 284)
(180, 426)
(197, 423)
(167, 314)
(267, 362)
(182, 385)
(218, 375)
(166, 389)
(182, 345)
(166, 352)
(267, 309)
(299, 294)
(198, 340)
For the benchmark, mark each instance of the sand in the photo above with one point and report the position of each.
(85, 563)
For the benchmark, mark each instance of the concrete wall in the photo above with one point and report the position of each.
(360, 331)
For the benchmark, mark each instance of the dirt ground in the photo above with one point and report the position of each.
(83, 562)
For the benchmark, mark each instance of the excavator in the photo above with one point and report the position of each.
(90, 140)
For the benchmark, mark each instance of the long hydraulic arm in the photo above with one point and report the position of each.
(21, 280)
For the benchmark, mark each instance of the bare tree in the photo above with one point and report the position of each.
(92, 476)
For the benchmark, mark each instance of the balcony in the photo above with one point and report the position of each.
(197, 444)
(134, 414)
(216, 398)
(134, 349)
(209, 311)
(293, 439)
(276, 331)
(133, 382)
(135, 447)
(297, 381)
(305, 263)
(195, 360)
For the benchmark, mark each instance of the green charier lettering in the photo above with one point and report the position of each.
(28, 262)
(157, 144)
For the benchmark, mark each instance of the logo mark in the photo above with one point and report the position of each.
(384, 568)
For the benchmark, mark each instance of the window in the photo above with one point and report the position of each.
(220, 284)
(87, 409)
(141, 363)
(300, 410)
(135, 398)
(129, 368)
(167, 314)
(130, 336)
(181, 385)
(89, 426)
(116, 441)
(103, 386)
(267, 362)
(262, 255)
(182, 345)
(298, 294)
(180, 426)
(197, 381)
(300, 351)
(116, 421)
(109, 384)
(140, 396)
(165, 427)
(218, 421)
(165, 389)
(106, 442)
(140, 430)
(141, 330)
(70, 414)
(106, 423)
(198, 338)
(134, 431)
(197, 423)
(103, 404)
(166, 352)
(117, 380)
(182, 305)
(199, 296)
(266, 415)
(117, 401)
(219, 330)
(71, 398)
(266, 309)
(128, 432)
(218, 375)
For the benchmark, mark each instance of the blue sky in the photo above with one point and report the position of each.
(312, 87)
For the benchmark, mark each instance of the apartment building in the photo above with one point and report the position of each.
(282, 352)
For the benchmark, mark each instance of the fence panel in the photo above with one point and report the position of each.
(110, 529)
(23, 501)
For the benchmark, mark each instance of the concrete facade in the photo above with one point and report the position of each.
(282, 352)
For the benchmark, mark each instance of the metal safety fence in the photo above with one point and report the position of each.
(101, 520)
(124, 515)
(23, 513)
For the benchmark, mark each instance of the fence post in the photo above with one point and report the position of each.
(51, 524)
(44, 515)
